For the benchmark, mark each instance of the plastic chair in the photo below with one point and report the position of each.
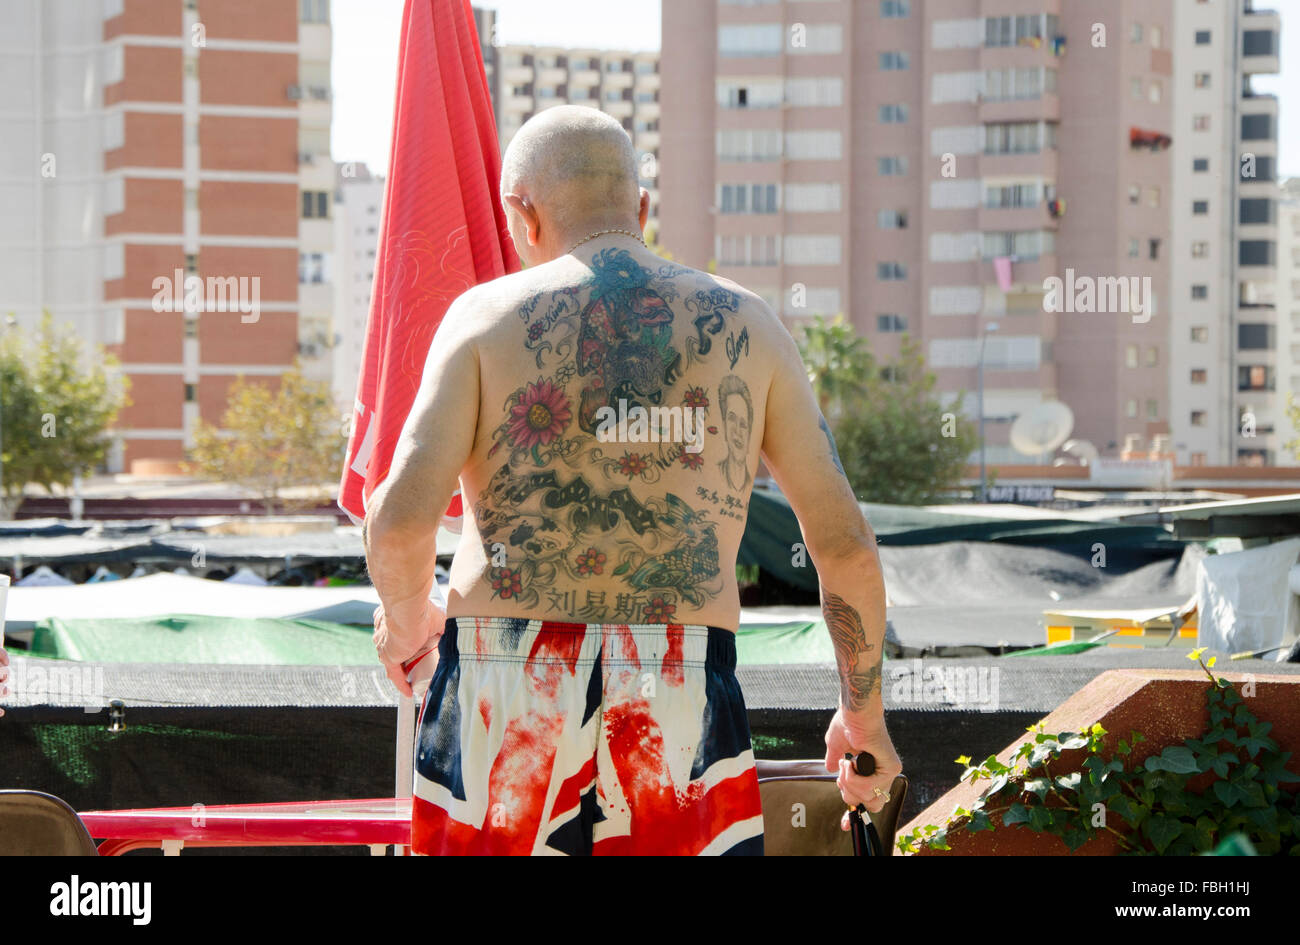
(802, 808)
(36, 824)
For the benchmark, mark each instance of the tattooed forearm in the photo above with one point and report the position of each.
(835, 454)
(859, 669)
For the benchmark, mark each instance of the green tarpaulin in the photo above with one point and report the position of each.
(185, 638)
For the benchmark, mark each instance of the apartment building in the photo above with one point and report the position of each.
(1288, 319)
(358, 210)
(620, 83)
(1223, 334)
(164, 166)
(927, 167)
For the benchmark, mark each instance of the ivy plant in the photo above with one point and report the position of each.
(1149, 807)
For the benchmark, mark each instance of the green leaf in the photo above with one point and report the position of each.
(1230, 793)
(1037, 786)
(1175, 758)
(623, 568)
(1015, 814)
(1162, 831)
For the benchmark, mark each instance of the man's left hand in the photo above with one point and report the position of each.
(396, 643)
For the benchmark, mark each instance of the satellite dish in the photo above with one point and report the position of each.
(1082, 449)
(1042, 429)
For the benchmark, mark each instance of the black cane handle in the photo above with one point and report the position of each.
(866, 840)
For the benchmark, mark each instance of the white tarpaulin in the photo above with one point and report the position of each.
(1245, 602)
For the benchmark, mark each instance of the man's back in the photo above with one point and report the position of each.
(621, 412)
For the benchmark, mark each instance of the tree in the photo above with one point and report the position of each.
(271, 441)
(898, 441)
(54, 412)
(839, 363)
(1293, 414)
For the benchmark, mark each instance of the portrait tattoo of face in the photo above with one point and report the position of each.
(737, 419)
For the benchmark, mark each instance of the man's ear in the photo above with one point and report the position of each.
(524, 207)
(644, 213)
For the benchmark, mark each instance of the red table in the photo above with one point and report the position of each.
(377, 823)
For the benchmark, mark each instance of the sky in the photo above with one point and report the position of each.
(366, 34)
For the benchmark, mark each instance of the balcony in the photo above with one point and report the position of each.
(1259, 42)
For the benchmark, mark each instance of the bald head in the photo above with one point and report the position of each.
(575, 164)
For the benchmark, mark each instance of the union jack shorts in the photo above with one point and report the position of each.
(541, 737)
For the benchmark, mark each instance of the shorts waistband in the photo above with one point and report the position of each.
(520, 639)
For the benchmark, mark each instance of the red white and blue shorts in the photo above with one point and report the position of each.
(540, 737)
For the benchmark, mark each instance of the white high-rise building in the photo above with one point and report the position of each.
(358, 211)
(1288, 316)
(1224, 318)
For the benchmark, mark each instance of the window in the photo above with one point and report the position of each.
(1198, 375)
(891, 323)
(1135, 89)
(1002, 85)
(1201, 80)
(891, 166)
(1200, 122)
(1131, 408)
(1257, 210)
(895, 9)
(1200, 165)
(191, 264)
(1200, 292)
(1134, 247)
(1024, 30)
(1155, 91)
(891, 220)
(1255, 377)
(1153, 409)
(819, 38)
(1202, 37)
(312, 268)
(1134, 193)
(1198, 418)
(1131, 356)
(812, 198)
(747, 250)
(1153, 197)
(191, 327)
(1152, 356)
(315, 204)
(749, 93)
(755, 145)
(1259, 43)
(893, 61)
(891, 271)
(191, 393)
(1135, 33)
(1200, 249)
(748, 198)
(314, 11)
(1026, 244)
(1257, 128)
(1200, 207)
(893, 114)
(1153, 248)
(1256, 337)
(1260, 168)
(1157, 37)
(1200, 334)
(1019, 137)
(814, 90)
(763, 39)
(1257, 253)
(1012, 196)
(813, 145)
(808, 250)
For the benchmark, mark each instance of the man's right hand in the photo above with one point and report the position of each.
(854, 732)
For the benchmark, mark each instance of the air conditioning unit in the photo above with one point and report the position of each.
(293, 92)
(320, 92)
(306, 157)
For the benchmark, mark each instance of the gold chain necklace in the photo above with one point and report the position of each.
(635, 236)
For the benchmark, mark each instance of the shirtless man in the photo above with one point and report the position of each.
(584, 699)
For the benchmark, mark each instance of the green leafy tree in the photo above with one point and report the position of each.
(840, 364)
(272, 441)
(899, 442)
(55, 409)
